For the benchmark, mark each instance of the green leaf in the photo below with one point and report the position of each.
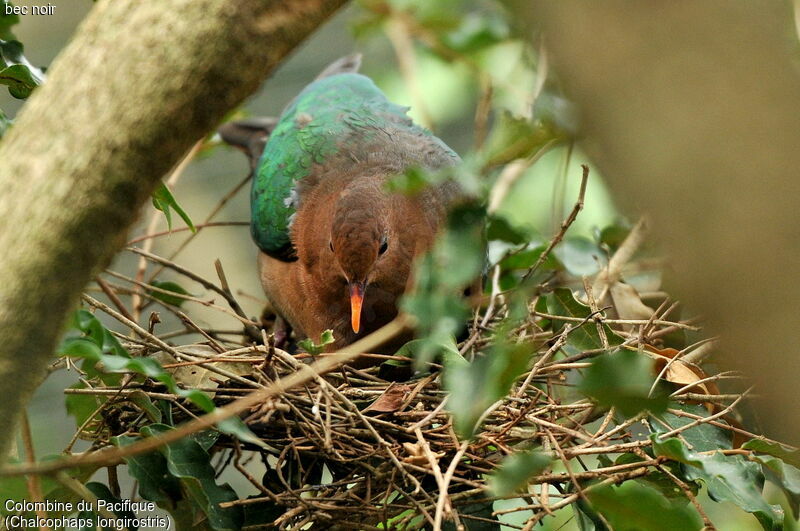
(412, 349)
(165, 297)
(177, 470)
(580, 256)
(633, 506)
(104, 493)
(613, 236)
(623, 380)
(477, 31)
(82, 406)
(461, 250)
(655, 478)
(16, 72)
(411, 182)
(703, 437)
(413, 523)
(205, 439)
(7, 22)
(150, 470)
(441, 274)
(515, 137)
(146, 405)
(775, 449)
(525, 259)
(514, 472)
(163, 200)
(586, 336)
(666, 485)
(87, 323)
(78, 405)
(788, 475)
(587, 517)
(317, 348)
(98, 339)
(499, 228)
(189, 462)
(785, 476)
(728, 478)
(475, 386)
(781, 462)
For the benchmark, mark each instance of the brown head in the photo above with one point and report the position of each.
(360, 242)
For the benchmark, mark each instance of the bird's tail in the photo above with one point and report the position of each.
(250, 135)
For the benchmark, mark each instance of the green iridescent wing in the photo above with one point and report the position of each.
(330, 113)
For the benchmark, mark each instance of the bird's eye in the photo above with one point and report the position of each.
(384, 246)
(330, 244)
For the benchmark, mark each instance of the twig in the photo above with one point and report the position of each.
(252, 331)
(155, 216)
(113, 297)
(208, 223)
(34, 485)
(564, 225)
(448, 476)
(306, 374)
(161, 344)
(198, 226)
(611, 273)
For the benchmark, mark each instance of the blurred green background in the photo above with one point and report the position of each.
(445, 98)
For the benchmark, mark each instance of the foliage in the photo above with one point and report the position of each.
(102, 492)
(99, 347)
(164, 201)
(632, 506)
(727, 477)
(16, 72)
(544, 362)
(475, 386)
(180, 478)
(515, 470)
(623, 380)
(316, 348)
(454, 262)
(165, 288)
(7, 21)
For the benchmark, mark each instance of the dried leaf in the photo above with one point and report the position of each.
(628, 303)
(682, 373)
(390, 400)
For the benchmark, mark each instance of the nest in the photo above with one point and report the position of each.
(353, 448)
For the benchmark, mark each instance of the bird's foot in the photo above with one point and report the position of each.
(282, 331)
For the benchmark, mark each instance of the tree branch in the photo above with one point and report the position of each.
(138, 85)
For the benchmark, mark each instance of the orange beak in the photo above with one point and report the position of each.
(356, 300)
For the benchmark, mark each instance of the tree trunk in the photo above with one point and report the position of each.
(138, 85)
(692, 110)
